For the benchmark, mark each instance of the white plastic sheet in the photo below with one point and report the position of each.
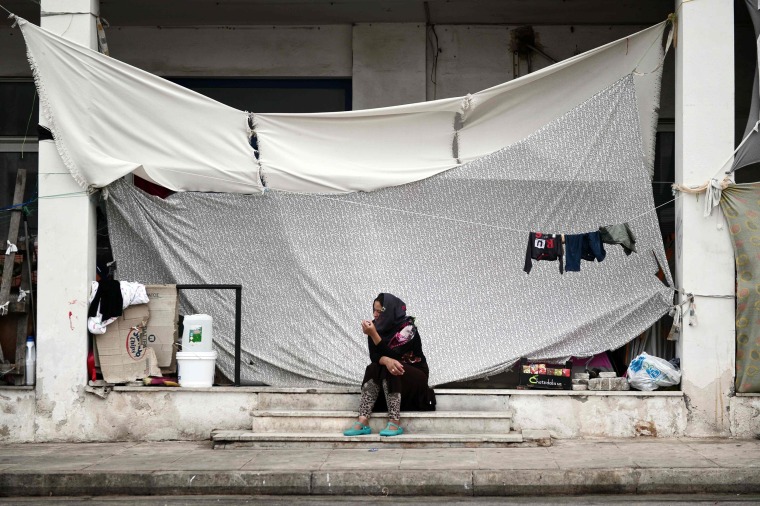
(110, 119)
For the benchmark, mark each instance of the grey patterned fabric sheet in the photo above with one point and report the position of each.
(451, 246)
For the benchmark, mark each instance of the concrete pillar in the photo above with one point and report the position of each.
(66, 258)
(705, 261)
(388, 64)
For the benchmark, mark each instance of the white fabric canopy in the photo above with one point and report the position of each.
(110, 119)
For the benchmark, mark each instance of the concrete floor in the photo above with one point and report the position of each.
(569, 467)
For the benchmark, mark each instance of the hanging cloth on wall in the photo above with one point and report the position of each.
(741, 206)
(136, 122)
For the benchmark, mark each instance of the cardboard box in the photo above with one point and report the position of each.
(123, 352)
(537, 376)
(162, 327)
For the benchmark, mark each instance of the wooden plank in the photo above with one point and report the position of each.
(18, 198)
(19, 377)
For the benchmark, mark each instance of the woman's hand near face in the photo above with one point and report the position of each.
(367, 327)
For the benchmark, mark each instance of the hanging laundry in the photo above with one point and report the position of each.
(586, 246)
(131, 294)
(543, 247)
(619, 234)
(107, 300)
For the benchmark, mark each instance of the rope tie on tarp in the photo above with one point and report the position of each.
(677, 311)
(713, 189)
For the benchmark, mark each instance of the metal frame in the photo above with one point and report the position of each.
(238, 304)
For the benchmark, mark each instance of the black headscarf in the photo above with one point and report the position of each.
(392, 318)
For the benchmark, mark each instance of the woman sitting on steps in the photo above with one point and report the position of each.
(398, 366)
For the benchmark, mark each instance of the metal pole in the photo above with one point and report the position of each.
(238, 316)
(238, 307)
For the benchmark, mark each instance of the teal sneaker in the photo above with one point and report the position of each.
(357, 429)
(388, 431)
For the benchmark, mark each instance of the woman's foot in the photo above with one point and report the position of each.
(357, 429)
(392, 429)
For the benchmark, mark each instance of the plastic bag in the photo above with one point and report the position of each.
(647, 373)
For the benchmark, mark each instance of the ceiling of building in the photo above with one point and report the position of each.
(314, 12)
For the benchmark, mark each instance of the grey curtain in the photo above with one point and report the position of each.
(451, 246)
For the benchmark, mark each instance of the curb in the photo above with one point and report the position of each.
(393, 483)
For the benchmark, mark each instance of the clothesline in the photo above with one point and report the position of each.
(15, 207)
(705, 295)
(435, 216)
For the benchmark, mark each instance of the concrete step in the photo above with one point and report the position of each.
(231, 439)
(347, 399)
(414, 422)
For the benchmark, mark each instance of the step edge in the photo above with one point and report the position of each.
(513, 436)
(404, 414)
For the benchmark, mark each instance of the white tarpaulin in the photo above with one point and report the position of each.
(452, 246)
(110, 119)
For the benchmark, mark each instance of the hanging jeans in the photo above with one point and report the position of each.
(583, 246)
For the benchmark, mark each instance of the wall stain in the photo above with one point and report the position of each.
(644, 428)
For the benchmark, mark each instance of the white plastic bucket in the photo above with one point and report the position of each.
(196, 368)
(197, 333)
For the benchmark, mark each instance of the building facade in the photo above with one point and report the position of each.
(354, 55)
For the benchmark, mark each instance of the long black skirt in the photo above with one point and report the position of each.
(416, 395)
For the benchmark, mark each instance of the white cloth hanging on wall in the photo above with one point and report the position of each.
(110, 119)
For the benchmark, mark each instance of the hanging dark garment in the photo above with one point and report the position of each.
(543, 247)
(619, 234)
(583, 247)
(108, 297)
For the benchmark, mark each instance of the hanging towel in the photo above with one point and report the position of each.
(619, 234)
(543, 247)
(583, 246)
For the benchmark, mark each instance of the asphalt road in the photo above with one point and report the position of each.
(672, 500)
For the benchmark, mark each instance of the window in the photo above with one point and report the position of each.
(18, 146)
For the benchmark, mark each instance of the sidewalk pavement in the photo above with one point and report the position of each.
(569, 467)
